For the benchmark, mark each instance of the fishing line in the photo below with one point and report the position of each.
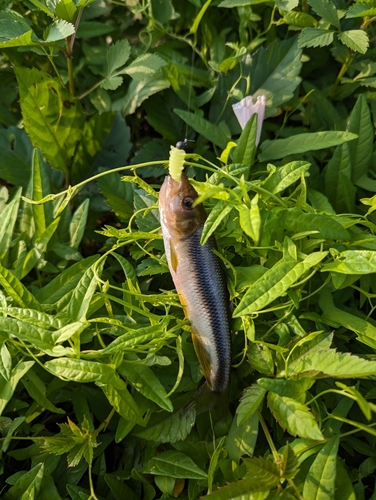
(183, 144)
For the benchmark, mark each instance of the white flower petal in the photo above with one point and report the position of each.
(245, 108)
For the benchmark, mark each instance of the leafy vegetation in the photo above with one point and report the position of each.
(96, 357)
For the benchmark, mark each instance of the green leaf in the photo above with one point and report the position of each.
(320, 480)
(52, 117)
(250, 401)
(37, 391)
(78, 224)
(241, 439)
(137, 92)
(302, 143)
(315, 37)
(66, 9)
(324, 363)
(275, 282)
(355, 39)
(263, 470)
(36, 192)
(83, 293)
(296, 220)
(203, 127)
(339, 187)
(172, 429)
(136, 337)
(353, 262)
(117, 195)
(246, 147)
(17, 290)
(142, 378)
(217, 214)
(5, 362)
(117, 55)
(294, 417)
(144, 66)
(7, 387)
(28, 485)
(285, 176)
(300, 19)
(274, 73)
(36, 253)
(175, 464)
(80, 370)
(240, 490)
(8, 219)
(59, 30)
(296, 389)
(119, 397)
(327, 10)
(360, 9)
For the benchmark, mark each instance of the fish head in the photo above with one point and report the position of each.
(180, 216)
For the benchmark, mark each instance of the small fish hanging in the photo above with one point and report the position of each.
(245, 109)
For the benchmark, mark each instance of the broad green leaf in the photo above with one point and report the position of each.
(275, 72)
(251, 399)
(355, 39)
(361, 9)
(246, 147)
(287, 4)
(302, 143)
(241, 439)
(324, 363)
(80, 370)
(217, 214)
(260, 358)
(78, 224)
(17, 290)
(296, 220)
(360, 150)
(315, 37)
(339, 187)
(173, 463)
(117, 55)
(52, 117)
(240, 490)
(285, 176)
(66, 9)
(59, 30)
(118, 195)
(136, 337)
(294, 417)
(83, 293)
(321, 477)
(203, 127)
(327, 10)
(300, 19)
(61, 287)
(264, 470)
(37, 391)
(144, 66)
(28, 39)
(7, 222)
(275, 282)
(138, 92)
(39, 247)
(118, 395)
(295, 389)
(353, 262)
(7, 387)
(143, 379)
(28, 485)
(36, 318)
(119, 489)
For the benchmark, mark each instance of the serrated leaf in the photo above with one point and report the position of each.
(327, 10)
(251, 399)
(144, 66)
(324, 363)
(52, 117)
(174, 428)
(117, 55)
(241, 439)
(66, 9)
(320, 480)
(315, 37)
(264, 470)
(301, 143)
(173, 464)
(59, 30)
(294, 417)
(296, 389)
(355, 39)
(360, 9)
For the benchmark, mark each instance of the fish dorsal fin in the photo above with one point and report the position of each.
(174, 258)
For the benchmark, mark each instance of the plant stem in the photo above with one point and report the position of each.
(70, 68)
(343, 70)
(268, 437)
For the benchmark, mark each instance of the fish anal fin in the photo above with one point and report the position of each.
(202, 355)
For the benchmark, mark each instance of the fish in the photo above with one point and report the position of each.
(200, 282)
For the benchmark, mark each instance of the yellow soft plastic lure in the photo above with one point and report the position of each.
(176, 163)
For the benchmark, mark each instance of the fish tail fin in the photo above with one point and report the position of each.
(205, 399)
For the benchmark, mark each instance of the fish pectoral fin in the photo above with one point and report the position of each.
(202, 355)
(173, 258)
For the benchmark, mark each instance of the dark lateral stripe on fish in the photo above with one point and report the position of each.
(210, 287)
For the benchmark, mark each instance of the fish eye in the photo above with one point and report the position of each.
(188, 202)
